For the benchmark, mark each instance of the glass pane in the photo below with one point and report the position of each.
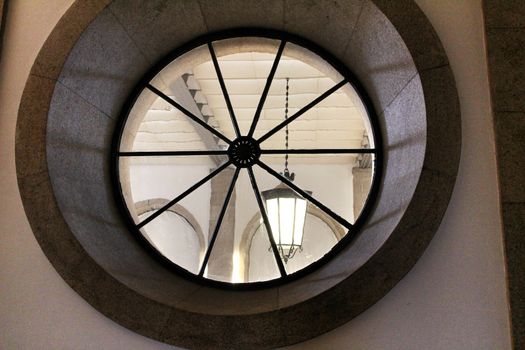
(145, 178)
(176, 236)
(231, 259)
(334, 123)
(183, 231)
(261, 262)
(156, 125)
(307, 76)
(330, 177)
(313, 239)
(245, 64)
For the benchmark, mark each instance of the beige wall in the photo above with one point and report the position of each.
(454, 298)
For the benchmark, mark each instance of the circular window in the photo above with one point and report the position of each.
(64, 181)
(266, 140)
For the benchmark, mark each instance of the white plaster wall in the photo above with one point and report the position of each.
(168, 181)
(454, 298)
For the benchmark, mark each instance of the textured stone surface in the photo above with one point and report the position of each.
(77, 160)
(76, 135)
(66, 33)
(510, 147)
(136, 291)
(505, 33)
(159, 26)
(78, 141)
(117, 301)
(443, 121)
(514, 232)
(504, 13)
(404, 128)
(313, 319)
(50, 229)
(31, 126)
(227, 14)
(416, 31)
(3, 13)
(104, 65)
(334, 21)
(507, 71)
(220, 264)
(226, 302)
(383, 75)
(88, 274)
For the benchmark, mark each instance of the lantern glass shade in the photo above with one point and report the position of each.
(286, 213)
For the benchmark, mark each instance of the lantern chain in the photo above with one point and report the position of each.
(287, 173)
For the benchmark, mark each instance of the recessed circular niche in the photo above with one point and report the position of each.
(252, 133)
(90, 65)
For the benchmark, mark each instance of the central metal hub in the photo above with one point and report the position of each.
(244, 152)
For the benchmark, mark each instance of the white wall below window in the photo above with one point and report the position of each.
(454, 298)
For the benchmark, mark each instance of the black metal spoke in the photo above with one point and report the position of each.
(266, 88)
(172, 153)
(319, 151)
(188, 113)
(219, 222)
(303, 110)
(306, 195)
(224, 90)
(267, 223)
(183, 195)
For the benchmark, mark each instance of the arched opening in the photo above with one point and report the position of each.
(251, 260)
(177, 234)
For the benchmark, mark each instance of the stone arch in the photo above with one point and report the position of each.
(147, 205)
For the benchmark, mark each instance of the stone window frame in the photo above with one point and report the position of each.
(229, 319)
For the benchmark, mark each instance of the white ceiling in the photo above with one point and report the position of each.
(334, 123)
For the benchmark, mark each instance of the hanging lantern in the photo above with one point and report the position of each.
(286, 209)
(286, 213)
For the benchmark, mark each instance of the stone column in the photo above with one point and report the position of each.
(361, 186)
(220, 264)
